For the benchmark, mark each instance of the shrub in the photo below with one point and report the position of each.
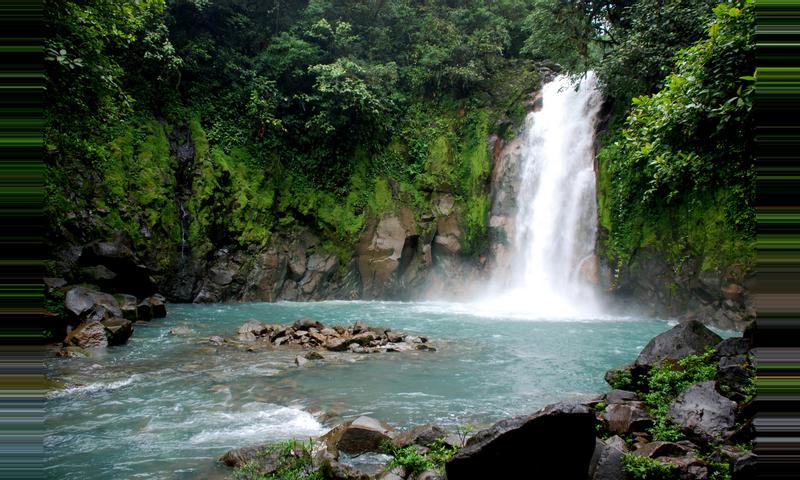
(643, 468)
(669, 379)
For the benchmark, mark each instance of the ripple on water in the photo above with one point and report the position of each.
(165, 406)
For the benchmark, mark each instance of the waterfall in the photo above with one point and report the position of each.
(555, 227)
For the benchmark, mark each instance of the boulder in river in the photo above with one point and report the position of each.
(702, 412)
(687, 338)
(127, 303)
(555, 442)
(118, 330)
(81, 302)
(158, 305)
(364, 434)
(88, 335)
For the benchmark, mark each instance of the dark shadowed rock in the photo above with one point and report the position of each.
(608, 464)
(158, 305)
(127, 303)
(734, 373)
(307, 323)
(733, 346)
(555, 442)
(702, 412)
(423, 435)
(364, 434)
(687, 338)
(88, 335)
(144, 311)
(627, 417)
(118, 330)
(744, 467)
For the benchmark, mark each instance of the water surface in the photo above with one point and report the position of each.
(165, 406)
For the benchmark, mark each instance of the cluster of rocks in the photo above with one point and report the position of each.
(96, 319)
(335, 451)
(561, 440)
(311, 334)
(708, 419)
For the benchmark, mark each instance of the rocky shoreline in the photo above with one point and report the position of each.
(681, 410)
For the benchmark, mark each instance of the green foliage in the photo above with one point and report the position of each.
(667, 380)
(414, 462)
(622, 380)
(411, 460)
(637, 467)
(678, 175)
(54, 302)
(294, 464)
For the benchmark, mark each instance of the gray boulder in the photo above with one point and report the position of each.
(364, 434)
(619, 396)
(687, 338)
(158, 305)
(555, 442)
(80, 302)
(607, 464)
(702, 412)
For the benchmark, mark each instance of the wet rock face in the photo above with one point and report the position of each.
(719, 298)
(703, 413)
(687, 338)
(556, 442)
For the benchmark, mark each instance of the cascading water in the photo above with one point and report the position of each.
(556, 220)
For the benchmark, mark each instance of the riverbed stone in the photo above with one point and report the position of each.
(118, 330)
(364, 434)
(267, 457)
(702, 412)
(555, 442)
(423, 435)
(306, 324)
(687, 338)
(88, 335)
(627, 417)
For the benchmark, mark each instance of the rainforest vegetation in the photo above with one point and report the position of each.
(326, 113)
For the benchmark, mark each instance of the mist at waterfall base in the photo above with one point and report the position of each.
(555, 227)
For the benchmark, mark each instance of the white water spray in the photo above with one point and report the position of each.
(556, 220)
